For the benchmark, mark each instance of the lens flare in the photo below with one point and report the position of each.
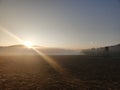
(29, 44)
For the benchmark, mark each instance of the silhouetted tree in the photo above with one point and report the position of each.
(106, 51)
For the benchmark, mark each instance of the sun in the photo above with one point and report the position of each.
(28, 44)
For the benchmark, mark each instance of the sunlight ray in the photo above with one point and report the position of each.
(11, 34)
(48, 59)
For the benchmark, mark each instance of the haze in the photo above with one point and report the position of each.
(61, 23)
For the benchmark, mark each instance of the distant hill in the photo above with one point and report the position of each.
(23, 50)
(111, 51)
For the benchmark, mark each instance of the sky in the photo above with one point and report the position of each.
(75, 24)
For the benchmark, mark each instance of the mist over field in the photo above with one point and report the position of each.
(59, 44)
(23, 50)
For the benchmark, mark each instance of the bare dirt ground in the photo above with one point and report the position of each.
(79, 73)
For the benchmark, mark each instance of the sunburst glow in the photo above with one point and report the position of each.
(28, 44)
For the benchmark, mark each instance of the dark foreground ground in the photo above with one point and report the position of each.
(79, 73)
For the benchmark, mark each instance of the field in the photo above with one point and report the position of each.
(66, 73)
